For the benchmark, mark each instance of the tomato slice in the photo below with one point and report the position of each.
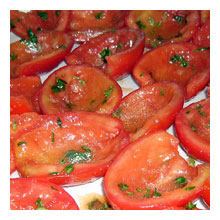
(205, 15)
(38, 21)
(202, 35)
(87, 24)
(206, 192)
(12, 158)
(184, 63)
(162, 27)
(74, 88)
(70, 148)
(150, 174)
(115, 53)
(40, 53)
(150, 108)
(30, 194)
(192, 126)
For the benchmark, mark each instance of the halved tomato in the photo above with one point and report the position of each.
(87, 24)
(164, 26)
(38, 53)
(206, 192)
(38, 21)
(184, 63)
(150, 108)
(150, 174)
(115, 53)
(70, 148)
(79, 88)
(192, 126)
(30, 194)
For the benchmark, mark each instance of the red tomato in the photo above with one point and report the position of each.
(79, 88)
(115, 53)
(150, 174)
(202, 35)
(184, 63)
(38, 20)
(69, 148)
(12, 158)
(205, 15)
(87, 24)
(192, 126)
(162, 27)
(150, 108)
(40, 53)
(206, 192)
(30, 194)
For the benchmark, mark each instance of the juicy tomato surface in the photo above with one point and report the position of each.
(184, 63)
(192, 126)
(115, 53)
(206, 192)
(205, 15)
(79, 88)
(69, 148)
(87, 24)
(150, 174)
(30, 194)
(161, 27)
(150, 108)
(38, 21)
(12, 158)
(38, 53)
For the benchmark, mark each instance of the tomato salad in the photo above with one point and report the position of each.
(102, 97)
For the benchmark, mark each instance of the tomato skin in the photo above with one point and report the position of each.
(24, 192)
(122, 58)
(205, 15)
(103, 134)
(161, 27)
(12, 158)
(144, 153)
(194, 76)
(196, 143)
(84, 25)
(80, 81)
(151, 108)
(29, 62)
(206, 192)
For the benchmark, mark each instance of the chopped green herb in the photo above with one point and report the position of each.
(162, 92)
(104, 53)
(142, 74)
(13, 56)
(165, 16)
(40, 205)
(190, 206)
(57, 13)
(97, 205)
(39, 29)
(131, 194)
(92, 102)
(153, 44)
(157, 194)
(33, 37)
(70, 105)
(63, 46)
(208, 125)
(43, 15)
(198, 106)
(52, 141)
(202, 49)
(178, 18)
(120, 45)
(69, 169)
(53, 188)
(159, 23)
(107, 94)
(81, 81)
(190, 188)
(181, 181)
(59, 122)
(191, 162)
(178, 35)
(176, 58)
(187, 112)
(113, 30)
(60, 84)
(193, 127)
(62, 161)
(202, 113)
(53, 173)
(139, 190)
(21, 143)
(117, 113)
(152, 22)
(98, 15)
(12, 24)
(122, 186)
(14, 125)
(140, 25)
(148, 194)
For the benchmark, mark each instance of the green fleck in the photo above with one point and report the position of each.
(120, 45)
(60, 84)
(12, 24)
(148, 193)
(43, 15)
(40, 205)
(181, 181)
(70, 105)
(202, 113)
(193, 127)
(140, 25)
(69, 169)
(104, 53)
(152, 22)
(178, 18)
(131, 194)
(165, 16)
(52, 141)
(39, 29)
(157, 194)
(184, 63)
(190, 188)
(97, 205)
(174, 59)
(201, 49)
(122, 186)
(187, 112)
(107, 94)
(21, 143)
(139, 190)
(117, 113)
(13, 56)
(63, 46)
(14, 125)
(62, 161)
(153, 44)
(98, 15)
(53, 173)
(179, 59)
(142, 74)
(33, 37)
(190, 206)
(53, 188)
(57, 12)
(80, 80)
(59, 122)
(159, 23)
(191, 162)
(162, 92)
(92, 102)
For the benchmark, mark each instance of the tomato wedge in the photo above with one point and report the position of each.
(30, 194)
(150, 108)
(162, 27)
(40, 53)
(12, 158)
(87, 24)
(150, 174)
(115, 53)
(184, 63)
(69, 148)
(192, 126)
(206, 192)
(74, 88)
(38, 21)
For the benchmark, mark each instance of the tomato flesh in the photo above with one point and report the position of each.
(192, 126)
(206, 192)
(28, 58)
(151, 108)
(25, 192)
(41, 151)
(179, 62)
(121, 50)
(143, 175)
(80, 91)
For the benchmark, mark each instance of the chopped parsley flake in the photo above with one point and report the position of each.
(142, 74)
(99, 15)
(179, 59)
(14, 125)
(190, 188)
(40, 205)
(178, 18)
(140, 25)
(202, 49)
(60, 84)
(81, 81)
(21, 143)
(13, 56)
(157, 194)
(57, 13)
(181, 181)
(122, 186)
(43, 15)
(104, 53)
(193, 127)
(68, 169)
(152, 22)
(59, 122)
(190, 206)
(107, 94)
(52, 141)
